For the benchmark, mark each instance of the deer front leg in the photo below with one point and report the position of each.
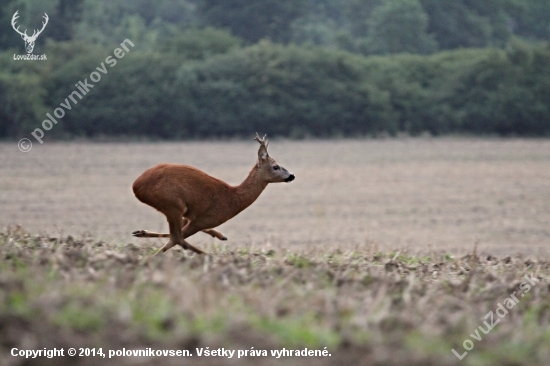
(165, 247)
(175, 223)
(215, 234)
(185, 244)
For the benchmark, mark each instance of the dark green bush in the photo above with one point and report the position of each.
(219, 89)
(287, 91)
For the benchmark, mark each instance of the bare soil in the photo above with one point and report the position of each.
(371, 252)
(419, 194)
(363, 307)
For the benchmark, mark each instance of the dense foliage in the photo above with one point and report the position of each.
(292, 68)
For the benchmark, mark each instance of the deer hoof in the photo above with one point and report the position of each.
(224, 238)
(139, 233)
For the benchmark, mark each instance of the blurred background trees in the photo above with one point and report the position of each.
(399, 26)
(296, 68)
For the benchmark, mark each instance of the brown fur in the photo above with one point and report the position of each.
(194, 201)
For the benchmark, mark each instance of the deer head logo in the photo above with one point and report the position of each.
(29, 40)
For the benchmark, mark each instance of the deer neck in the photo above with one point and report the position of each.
(249, 190)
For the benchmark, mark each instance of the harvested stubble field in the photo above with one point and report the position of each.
(364, 307)
(426, 194)
(370, 253)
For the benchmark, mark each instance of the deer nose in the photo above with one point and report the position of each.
(290, 178)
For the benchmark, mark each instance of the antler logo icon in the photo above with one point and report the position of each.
(29, 40)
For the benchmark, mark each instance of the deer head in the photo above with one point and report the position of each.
(29, 40)
(268, 167)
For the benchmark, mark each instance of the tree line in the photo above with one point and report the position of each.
(204, 68)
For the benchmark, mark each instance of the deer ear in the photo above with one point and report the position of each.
(262, 154)
(262, 151)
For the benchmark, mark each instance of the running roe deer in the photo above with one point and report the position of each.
(194, 201)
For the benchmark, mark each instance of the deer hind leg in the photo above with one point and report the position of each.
(175, 227)
(151, 234)
(175, 223)
(211, 232)
(185, 245)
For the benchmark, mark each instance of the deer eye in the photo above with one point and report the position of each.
(275, 167)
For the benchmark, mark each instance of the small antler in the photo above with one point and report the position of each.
(14, 20)
(263, 141)
(262, 151)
